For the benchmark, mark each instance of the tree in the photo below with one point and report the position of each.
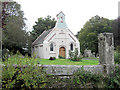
(13, 24)
(116, 31)
(88, 35)
(41, 25)
(29, 43)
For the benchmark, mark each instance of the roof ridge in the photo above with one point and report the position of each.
(49, 32)
(59, 13)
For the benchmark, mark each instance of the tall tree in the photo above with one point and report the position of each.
(116, 31)
(88, 35)
(41, 25)
(13, 22)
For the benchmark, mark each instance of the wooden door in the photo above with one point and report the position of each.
(62, 51)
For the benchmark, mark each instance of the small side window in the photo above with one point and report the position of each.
(51, 47)
(71, 46)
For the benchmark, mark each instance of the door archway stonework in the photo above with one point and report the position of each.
(62, 52)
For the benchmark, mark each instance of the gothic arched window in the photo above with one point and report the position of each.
(71, 46)
(51, 47)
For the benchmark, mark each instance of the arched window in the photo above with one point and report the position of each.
(51, 47)
(71, 46)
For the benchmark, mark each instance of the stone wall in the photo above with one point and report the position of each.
(65, 70)
(70, 69)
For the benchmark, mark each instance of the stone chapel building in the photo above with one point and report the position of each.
(56, 41)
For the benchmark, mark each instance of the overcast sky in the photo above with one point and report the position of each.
(77, 12)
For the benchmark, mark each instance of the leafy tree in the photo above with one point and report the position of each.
(41, 25)
(116, 31)
(29, 43)
(88, 35)
(13, 24)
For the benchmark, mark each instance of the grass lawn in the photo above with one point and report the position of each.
(68, 62)
(26, 60)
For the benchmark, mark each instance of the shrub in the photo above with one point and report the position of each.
(5, 54)
(29, 76)
(117, 55)
(74, 55)
(61, 57)
(84, 77)
(71, 54)
(113, 81)
(52, 58)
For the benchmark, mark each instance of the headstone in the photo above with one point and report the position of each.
(87, 53)
(93, 55)
(106, 50)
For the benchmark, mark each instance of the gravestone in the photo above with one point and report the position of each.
(87, 53)
(93, 55)
(106, 51)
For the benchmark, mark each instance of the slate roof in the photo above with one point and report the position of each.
(41, 38)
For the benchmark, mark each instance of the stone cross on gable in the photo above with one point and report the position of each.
(61, 21)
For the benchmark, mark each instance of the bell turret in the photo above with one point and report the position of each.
(61, 21)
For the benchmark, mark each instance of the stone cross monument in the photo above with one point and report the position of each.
(106, 50)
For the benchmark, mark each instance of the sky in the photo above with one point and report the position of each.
(77, 12)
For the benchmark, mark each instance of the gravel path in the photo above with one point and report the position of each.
(90, 59)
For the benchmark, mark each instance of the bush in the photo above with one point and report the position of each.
(5, 54)
(97, 80)
(84, 78)
(74, 55)
(114, 79)
(52, 58)
(117, 55)
(61, 57)
(29, 76)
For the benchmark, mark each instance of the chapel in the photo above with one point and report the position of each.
(56, 41)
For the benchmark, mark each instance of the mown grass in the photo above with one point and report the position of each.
(68, 62)
(27, 60)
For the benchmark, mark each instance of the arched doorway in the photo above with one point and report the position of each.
(62, 52)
